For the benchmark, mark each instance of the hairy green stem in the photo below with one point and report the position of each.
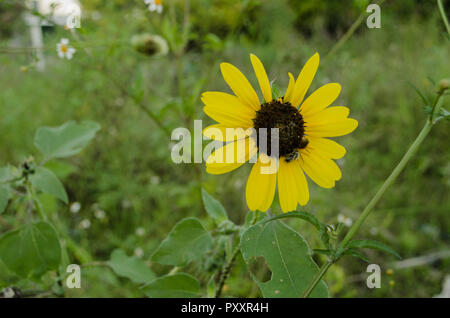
(444, 16)
(387, 183)
(317, 279)
(227, 268)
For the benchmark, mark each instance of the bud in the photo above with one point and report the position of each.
(444, 84)
(150, 44)
(24, 69)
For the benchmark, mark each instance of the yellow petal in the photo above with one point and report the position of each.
(327, 147)
(320, 99)
(231, 156)
(327, 116)
(240, 85)
(224, 133)
(227, 110)
(335, 129)
(288, 95)
(304, 80)
(260, 189)
(302, 184)
(321, 170)
(261, 75)
(287, 186)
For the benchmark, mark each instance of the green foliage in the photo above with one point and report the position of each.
(46, 181)
(130, 267)
(356, 244)
(66, 140)
(4, 197)
(179, 285)
(31, 250)
(214, 208)
(187, 241)
(308, 217)
(288, 256)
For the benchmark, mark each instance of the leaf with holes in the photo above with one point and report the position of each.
(31, 250)
(66, 140)
(130, 267)
(187, 241)
(214, 208)
(308, 217)
(46, 181)
(179, 285)
(288, 256)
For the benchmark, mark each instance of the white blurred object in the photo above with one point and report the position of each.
(445, 293)
(75, 207)
(61, 12)
(64, 50)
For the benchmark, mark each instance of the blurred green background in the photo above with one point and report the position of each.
(127, 171)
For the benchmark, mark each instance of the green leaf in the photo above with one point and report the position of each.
(31, 250)
(356, 254)
(214, 208)
(211, 287)
(422, 96)
(45, 180)
(287, 255)
(355, 244)
(130, 267)
(5, 195)
(308, 217)
(66, 140)
(187, 241)
(60, 168)
(179, 285)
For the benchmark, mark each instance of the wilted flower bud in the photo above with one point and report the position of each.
(444, 84)
(150, 44)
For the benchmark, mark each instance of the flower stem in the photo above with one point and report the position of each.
(227, 268)
(317, 278)
(347, 34)
(387, 183)
(444, 16)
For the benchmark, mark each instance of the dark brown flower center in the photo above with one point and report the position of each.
(289, 121)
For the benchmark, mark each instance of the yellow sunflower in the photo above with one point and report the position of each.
(303, 127)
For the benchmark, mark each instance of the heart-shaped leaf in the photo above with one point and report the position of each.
(214, 208)
(130, 267)
(187, 241)
(286, 254)
(46, 181)
(31, 250)
(66, 140)
(179, 285)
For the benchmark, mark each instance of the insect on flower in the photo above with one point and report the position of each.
(64, 50)
(154, 5)
(304, 126)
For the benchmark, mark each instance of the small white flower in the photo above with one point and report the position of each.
(100, 214)
(154, 180)
(75, 207)
(85, 224)
(154, 5)
(64, 50)
(8, 292)
(345, 220)
(139, 252)
(140, 231)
